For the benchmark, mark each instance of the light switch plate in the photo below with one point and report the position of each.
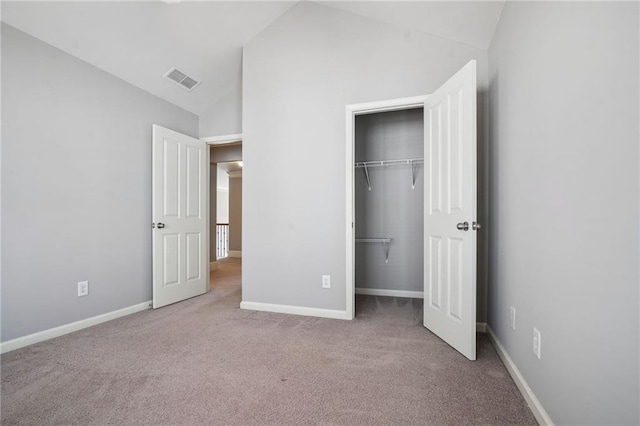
(512, 317)
(537, 342)
(83, 288)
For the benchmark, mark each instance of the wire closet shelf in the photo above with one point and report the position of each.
(413, 162)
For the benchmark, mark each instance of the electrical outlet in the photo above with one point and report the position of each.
(83, 288)
(537, 342)
(326, 281)
(512, 317)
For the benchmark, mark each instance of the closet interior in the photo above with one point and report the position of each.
(389, 203)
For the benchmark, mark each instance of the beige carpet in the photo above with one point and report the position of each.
(204, 361)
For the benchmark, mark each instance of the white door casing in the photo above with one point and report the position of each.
(179, 216)
(450, 199)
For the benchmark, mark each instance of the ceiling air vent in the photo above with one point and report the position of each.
(181, 79)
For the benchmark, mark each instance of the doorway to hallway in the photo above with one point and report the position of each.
(225, 199)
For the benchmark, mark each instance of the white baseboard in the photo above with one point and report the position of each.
(235, 253)
(21, 342)
(213, 266)
(295, 310)
(390, 293)
(534, 404)
(481, 327)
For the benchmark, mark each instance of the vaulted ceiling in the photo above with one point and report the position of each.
(139, 41)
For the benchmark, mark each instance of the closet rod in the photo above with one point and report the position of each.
(381, 163)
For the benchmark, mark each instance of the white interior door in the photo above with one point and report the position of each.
(450, 212)
(179, 189)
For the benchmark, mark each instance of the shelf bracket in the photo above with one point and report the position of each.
(385, 245)
(366, 176)
(414, 174)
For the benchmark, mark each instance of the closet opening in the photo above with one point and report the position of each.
(389, 210)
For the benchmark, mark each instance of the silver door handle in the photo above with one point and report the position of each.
(463, 226)
(160, 225)
(475, 226)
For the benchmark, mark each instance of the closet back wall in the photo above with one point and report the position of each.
(392, 208)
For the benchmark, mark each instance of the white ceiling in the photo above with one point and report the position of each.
(469, 22)
(139, 41)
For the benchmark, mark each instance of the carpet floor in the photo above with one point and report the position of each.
(205, 361)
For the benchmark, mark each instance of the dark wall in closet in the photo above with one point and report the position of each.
(392, 208)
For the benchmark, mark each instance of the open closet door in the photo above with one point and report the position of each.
(179, 204)
(450, 212)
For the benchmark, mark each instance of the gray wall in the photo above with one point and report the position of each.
(392, 208)
(564, 203)
(226, 153)
(225, 115)
(298, 76)
(235, 213)
(76, 196)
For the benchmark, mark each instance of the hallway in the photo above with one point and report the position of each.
(228, 274)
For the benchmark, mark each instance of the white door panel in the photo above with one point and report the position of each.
(180, 267)
(450, 253)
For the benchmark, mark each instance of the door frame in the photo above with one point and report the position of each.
(352, 111)
(223, 139)
(212, 141)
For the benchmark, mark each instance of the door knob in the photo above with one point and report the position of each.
(463, 226)
(161, 225)
(475, 226)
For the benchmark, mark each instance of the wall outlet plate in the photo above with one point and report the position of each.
(537, 342)
(83, 288)
(326, 281)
